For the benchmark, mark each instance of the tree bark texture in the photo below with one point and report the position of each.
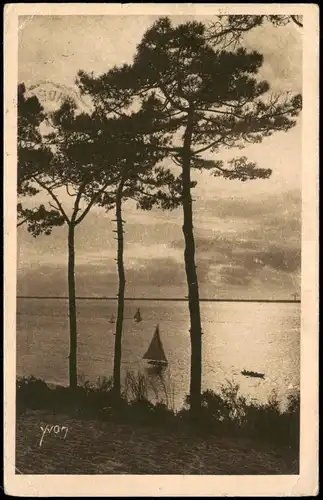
(191, 275)
(72, 307)
(121, 294)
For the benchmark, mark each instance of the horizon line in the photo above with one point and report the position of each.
(165, 299)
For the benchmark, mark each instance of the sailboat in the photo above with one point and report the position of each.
(137, 316)
(112, 319)
(155, 353)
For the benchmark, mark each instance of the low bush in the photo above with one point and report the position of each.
(31, 393)
(223, 413)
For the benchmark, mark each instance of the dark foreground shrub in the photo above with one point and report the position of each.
(229, 413)
(224, 413)
(32, 393)
(269, 423)
(292, 417)
(87, 400)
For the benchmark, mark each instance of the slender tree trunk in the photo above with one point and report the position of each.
(72, 308)
(191, 275)
(121, 293)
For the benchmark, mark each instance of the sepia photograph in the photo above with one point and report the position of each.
(158, 260)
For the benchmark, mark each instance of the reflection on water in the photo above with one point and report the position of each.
(263, 337)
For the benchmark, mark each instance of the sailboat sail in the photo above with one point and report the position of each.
(155, 351)
(138, 315)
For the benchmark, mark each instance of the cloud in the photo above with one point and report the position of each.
(158, 272)
(250, 240)
(255, 208)
(284, 72)
(235, 275)
(162, 276)
(239, 243)
(245, 264)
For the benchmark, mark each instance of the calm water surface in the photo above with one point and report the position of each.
(263, 337)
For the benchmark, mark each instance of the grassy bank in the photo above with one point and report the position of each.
(136, 436)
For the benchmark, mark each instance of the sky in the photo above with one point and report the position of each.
(248, 235)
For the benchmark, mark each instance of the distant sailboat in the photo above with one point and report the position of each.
(137, 316)
(112, 319)
(155, 353)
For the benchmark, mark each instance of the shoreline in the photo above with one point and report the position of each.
(165, 299)
(177, 407)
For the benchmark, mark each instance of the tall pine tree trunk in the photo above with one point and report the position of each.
(72, 307)
(121, 293)
(191, 275)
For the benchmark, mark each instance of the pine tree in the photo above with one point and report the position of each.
(62, 160)
(228, 31)
(139, 175)
(32, 154)
(213, 100)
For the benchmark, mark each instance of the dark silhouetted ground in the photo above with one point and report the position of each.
(103, 447)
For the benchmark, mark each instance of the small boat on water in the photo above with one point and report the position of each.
(137, 316)
(250, 373)
(155, 354)
(112, 319)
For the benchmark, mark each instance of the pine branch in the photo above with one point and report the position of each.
(171, 100)
(68, 192)
(22, 222)
(226, 113)
(52, 194)
(92, 202)
(77, 200)
(209, 146)
(296, 21)
(55, 207)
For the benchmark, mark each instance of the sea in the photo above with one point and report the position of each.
(237, 336)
